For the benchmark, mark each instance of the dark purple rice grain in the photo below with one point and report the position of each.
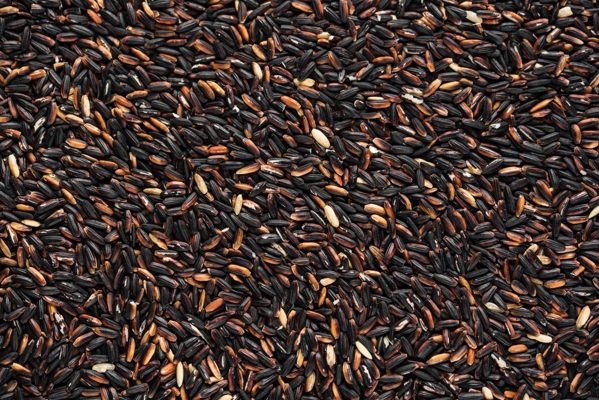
(302, 200)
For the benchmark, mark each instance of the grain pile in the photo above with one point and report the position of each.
(370, 199)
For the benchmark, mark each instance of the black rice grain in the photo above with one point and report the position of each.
(353, 199)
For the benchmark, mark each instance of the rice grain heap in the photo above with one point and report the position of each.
(369, 199)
